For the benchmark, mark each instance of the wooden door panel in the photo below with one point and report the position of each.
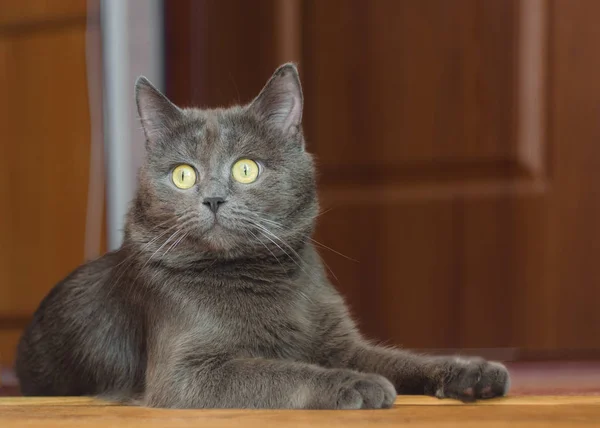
(425, 83)
(502, 263)
(9, 338)
(219, 52)
(44, 155)
(412, 111)
(16, 14)
(46, 164)
(397, 289)
(575, 206)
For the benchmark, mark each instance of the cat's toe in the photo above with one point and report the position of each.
(365, 391)
(385, 395)
(460, 379)
(495, 381)
(349, 398)
(468, 379)
(374, 391)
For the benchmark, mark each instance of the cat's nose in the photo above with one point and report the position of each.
(213, 203)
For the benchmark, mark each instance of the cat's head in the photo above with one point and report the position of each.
(226, 183)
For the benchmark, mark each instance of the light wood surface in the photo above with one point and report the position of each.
(528, 412)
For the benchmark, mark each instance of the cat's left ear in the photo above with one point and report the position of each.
(279, 103)
(157, 113)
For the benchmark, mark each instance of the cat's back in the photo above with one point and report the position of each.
(85, 337)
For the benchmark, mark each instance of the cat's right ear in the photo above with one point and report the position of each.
(156, 112)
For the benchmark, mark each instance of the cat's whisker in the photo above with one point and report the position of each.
(266, 235)
(180, 229)
(274, 223)
(268, 249)
(147, 245)
(123, 265)
(325, 263)
(176, 243)
(154, 253)
(189, 219)
(304, 218)
(184, 216)
(324, 212)
(277, 245)
(314, 241)
(288, 246)
(310, 277)
(329, 269)
(264, 229)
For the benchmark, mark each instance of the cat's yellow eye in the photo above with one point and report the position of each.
(184, 176)
(245, 171)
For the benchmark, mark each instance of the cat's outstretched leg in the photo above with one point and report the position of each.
(219, 382)
(466, 379)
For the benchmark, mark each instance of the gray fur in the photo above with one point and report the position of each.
(233, 309)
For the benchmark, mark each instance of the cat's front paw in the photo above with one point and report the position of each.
(352, 390)
(468, 379)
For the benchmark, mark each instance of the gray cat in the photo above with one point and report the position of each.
(217, 298)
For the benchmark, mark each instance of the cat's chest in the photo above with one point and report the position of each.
(278, 325)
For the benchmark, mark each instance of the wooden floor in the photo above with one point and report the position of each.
(513, 412)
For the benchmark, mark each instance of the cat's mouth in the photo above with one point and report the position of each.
(219, 238)
(221, 232)
(217, 224)
(217, 228)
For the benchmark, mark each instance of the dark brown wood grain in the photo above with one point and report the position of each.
(219, 52)
(575, 205)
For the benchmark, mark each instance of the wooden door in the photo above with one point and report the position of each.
(458, 147)
(44, 154)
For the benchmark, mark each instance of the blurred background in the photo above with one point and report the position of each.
(458, 144)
